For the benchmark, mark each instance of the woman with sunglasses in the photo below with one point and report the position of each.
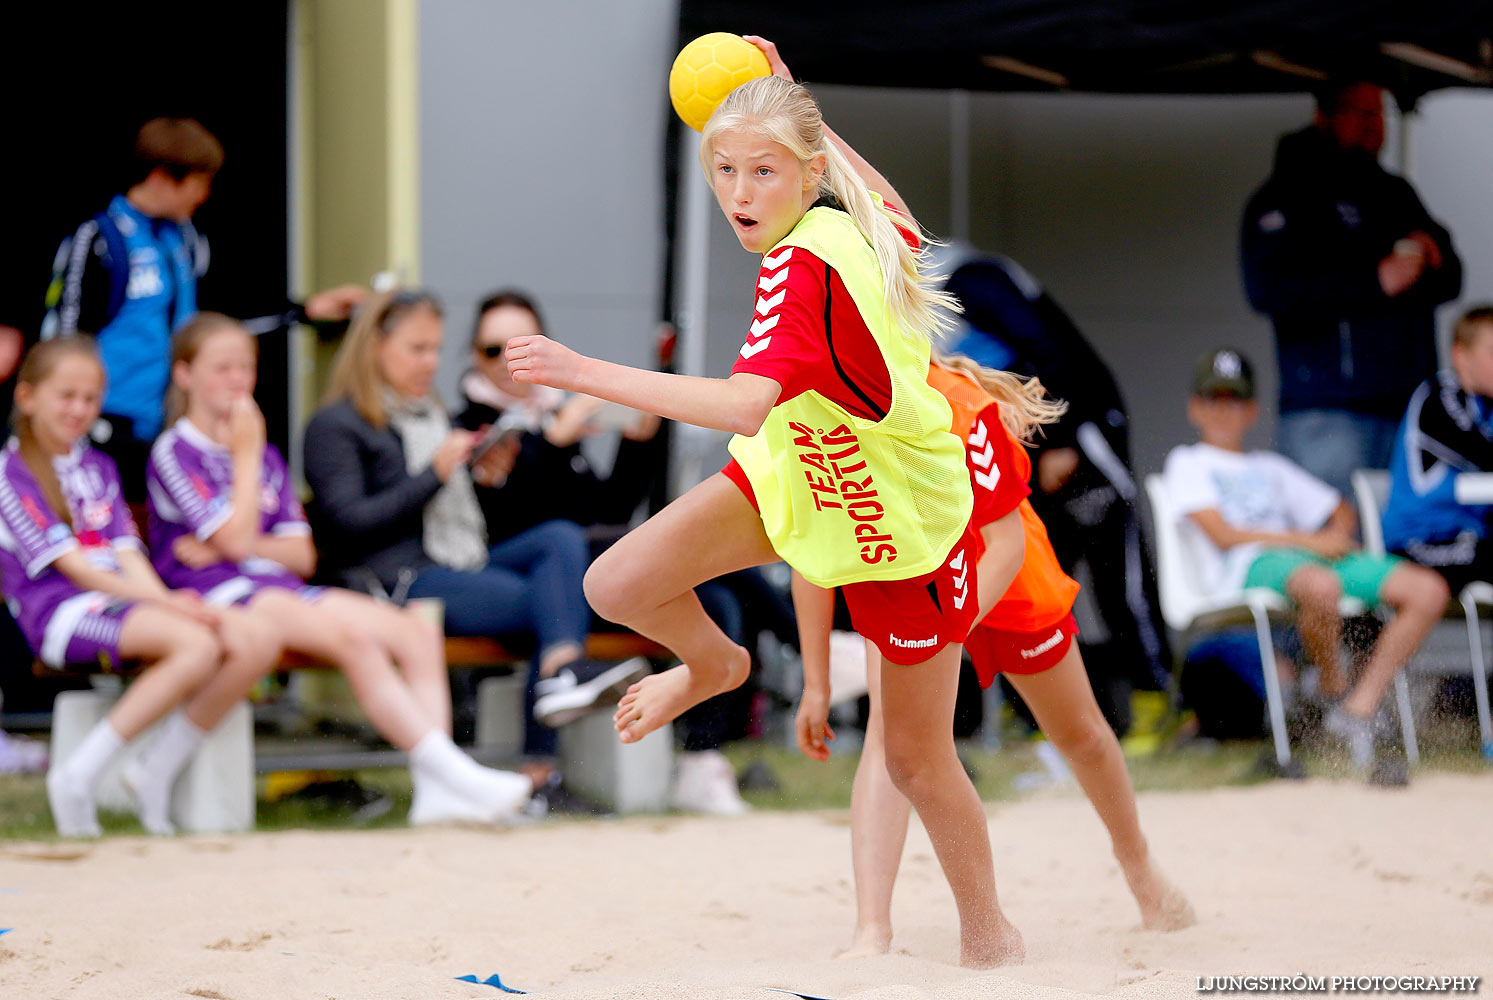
(395, 501)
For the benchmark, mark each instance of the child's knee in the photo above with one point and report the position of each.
(1315, 587)
(1087, 741)
(608, 589)
(199, 652)
(1426, 590)
(910, 766)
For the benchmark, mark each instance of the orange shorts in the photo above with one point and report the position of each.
(997, 651)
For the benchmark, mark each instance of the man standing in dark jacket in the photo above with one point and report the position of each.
(1345, 260)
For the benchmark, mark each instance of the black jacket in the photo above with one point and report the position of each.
(550, 482)
(368, 510)
(1312, 239)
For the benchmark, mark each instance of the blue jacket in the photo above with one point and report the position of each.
(131, 280)
(1446, 431)
(1312, 239)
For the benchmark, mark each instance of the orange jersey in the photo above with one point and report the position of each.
(999, 468)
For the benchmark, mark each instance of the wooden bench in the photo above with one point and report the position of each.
(215, 793)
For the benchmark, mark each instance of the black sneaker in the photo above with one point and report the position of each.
(1390, 772)
(580, 686)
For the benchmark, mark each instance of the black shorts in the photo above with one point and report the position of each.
(1461, 560)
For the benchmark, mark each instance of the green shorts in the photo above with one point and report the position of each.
(1361, 574)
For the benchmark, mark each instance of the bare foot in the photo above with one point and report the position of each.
(1162, 905)
(659, 699)
(987, 949)
(868, 940)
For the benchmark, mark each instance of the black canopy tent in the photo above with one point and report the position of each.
(1123, 46)
(1411, 47)
(1117, 47)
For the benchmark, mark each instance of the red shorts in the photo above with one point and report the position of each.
(908, 620)
(997, 651)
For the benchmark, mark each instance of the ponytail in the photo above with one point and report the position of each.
(41, 361)
(786, 113)
(1025, 405)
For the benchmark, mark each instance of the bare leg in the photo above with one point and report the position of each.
(1419, 597)
(186, 653)
(251, 650)
(646, 582)
(918, 711)
(389, 703)
(1064, 706)
(1315, 591)
(878, 829)
(414, 644)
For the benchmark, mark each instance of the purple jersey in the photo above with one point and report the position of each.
(190, 484)
(32, 536)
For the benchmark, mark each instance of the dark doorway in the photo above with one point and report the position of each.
(81, 84)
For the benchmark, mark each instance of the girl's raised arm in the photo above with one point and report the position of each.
(737, 404)
(872, 177)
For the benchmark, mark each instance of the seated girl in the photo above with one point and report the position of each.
(225, 521)
(79, 585)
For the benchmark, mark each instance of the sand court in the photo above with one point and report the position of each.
(1319, 877)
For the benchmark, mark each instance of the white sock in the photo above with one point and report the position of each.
(70, 783)
(499, 793)
(87, 762)
(153, 775)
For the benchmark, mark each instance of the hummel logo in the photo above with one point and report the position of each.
(960, 567)
(1043, 646)
(747, 350)
(913, 643)
(982, 459)
(767, 284)
(767, 305)
(773, 263)
(761, 326)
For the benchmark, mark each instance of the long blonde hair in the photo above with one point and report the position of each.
(785, 112)
(41, 361)
(355, 375)
(1025, 405)
(185, 344)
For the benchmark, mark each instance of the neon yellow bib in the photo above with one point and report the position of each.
(845, 499)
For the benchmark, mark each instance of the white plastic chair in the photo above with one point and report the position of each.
(1189, 610)
(1371, 489)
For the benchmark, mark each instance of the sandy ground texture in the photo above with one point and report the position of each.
(1324, 878)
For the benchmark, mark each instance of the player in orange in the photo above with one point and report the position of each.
(1028, 635)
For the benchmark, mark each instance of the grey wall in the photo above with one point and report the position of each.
(541, 160)
(1127, 209)
(540, 157)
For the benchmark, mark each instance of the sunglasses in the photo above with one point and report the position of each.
(490, 351)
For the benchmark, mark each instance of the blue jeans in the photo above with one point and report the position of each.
(531, 586)
(1330, 444)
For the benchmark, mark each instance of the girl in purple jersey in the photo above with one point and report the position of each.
(225, 521)
(79, 584)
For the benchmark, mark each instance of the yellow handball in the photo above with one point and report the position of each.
(707, 70)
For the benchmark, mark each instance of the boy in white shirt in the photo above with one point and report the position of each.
(1256, 519)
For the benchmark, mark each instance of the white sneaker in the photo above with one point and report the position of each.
(497, 797)
(72, 806)
(705, 783)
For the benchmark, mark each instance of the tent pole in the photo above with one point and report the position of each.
(959, 165)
